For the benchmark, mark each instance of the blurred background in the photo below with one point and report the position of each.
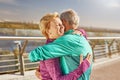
(99, 18)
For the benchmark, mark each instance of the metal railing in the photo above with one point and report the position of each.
(102, 47)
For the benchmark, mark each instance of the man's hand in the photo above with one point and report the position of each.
(37, 73)
(88, 58)
(81, 58)
(77, 32)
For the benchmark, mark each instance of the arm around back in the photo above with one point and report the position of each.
(64, 45)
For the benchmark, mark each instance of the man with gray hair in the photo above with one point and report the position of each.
(70, 20)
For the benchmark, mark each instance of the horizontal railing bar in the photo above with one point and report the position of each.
(26, 58)
(39, 38)
(9, 60)
(99, 50)
(103, 38)
(100, 54)
(102, 45)
(9, 55)
(20, 38)
(9, 66)
(98, 47)
(9, 71)
(31, 68)
(31, 63)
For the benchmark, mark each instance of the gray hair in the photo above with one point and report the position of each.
(71, 17)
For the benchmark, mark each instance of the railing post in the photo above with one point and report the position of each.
(22, 67)
(109, 48)
(93, 46)
(106, 47)
(109, 52)
(118, 47)
(21, 58)
(93, 52)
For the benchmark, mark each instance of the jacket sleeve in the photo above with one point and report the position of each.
(56, 74)
(58, 48)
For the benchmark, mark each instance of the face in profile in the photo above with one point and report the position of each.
(56, 28)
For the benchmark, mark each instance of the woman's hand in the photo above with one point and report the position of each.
(37, 73)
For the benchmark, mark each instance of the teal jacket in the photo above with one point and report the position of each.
(68, 48)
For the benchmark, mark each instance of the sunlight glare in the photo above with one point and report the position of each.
(110, 3)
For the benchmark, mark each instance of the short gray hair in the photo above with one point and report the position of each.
(71, 17)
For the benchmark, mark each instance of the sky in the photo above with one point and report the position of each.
(92, 13)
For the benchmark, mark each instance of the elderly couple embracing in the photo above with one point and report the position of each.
(67, 55)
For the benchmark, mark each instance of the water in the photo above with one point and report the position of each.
(10, 45)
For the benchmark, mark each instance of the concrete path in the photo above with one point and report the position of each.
(29, 75)
(106, 69)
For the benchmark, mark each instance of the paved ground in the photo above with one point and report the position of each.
(29, 75)
(107, 69)
(103, 69)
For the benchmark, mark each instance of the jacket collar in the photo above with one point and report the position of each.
(69, 31)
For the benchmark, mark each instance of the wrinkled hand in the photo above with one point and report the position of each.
(77, 32)
(88, 58)
(37, 73)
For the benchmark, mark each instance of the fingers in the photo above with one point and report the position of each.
(81, 58)
(77, 32)
(88, 57)
(37, 73)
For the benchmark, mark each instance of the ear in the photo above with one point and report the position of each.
(48, 32)
(63, 21)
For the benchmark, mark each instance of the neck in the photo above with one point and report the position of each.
(68, 28)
